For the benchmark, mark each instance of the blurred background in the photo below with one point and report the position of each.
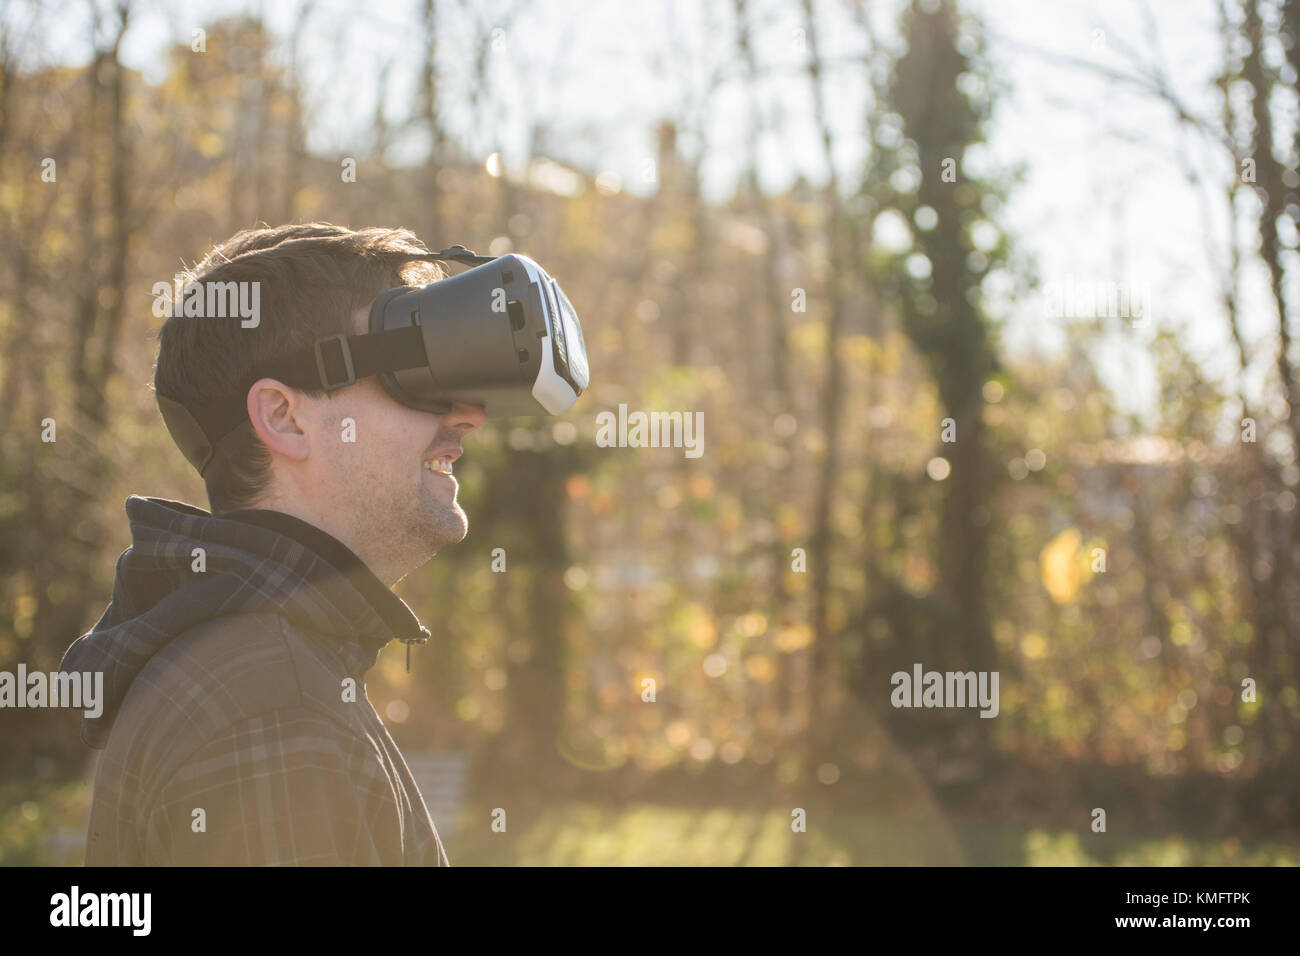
(986, 307)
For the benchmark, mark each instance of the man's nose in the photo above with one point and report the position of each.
(465, 415)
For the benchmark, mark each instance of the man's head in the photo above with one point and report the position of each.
(352, 461)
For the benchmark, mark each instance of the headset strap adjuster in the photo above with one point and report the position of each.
(346, 354)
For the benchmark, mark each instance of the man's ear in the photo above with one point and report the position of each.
(276, 413)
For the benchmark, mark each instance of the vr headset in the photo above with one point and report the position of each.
(502, 335)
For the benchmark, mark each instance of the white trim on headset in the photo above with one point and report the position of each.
(555, 394)
(549, 388)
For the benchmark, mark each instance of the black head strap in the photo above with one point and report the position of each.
(453, 254)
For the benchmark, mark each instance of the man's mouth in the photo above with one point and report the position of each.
(441, 465)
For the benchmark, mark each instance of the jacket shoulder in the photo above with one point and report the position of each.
(224, 672)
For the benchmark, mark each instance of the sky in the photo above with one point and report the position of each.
(1105, 198)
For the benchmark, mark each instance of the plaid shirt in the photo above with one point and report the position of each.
(236, 728)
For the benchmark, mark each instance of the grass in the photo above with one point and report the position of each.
(580, 834)
(657, 834)
(31, 813)
(1009, 846)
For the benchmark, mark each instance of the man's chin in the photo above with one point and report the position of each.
(449, 529)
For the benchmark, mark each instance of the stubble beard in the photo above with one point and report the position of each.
(411, 536)
(439, 523)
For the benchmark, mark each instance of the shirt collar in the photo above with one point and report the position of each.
(394, 612)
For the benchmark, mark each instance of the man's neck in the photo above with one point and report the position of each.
(380, 565)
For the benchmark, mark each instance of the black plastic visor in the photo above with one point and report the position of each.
(501, 335)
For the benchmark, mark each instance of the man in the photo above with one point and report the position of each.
(236, 728)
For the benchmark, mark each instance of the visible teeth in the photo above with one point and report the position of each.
(439, 464)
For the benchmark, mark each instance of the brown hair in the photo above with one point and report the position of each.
(312, 278)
